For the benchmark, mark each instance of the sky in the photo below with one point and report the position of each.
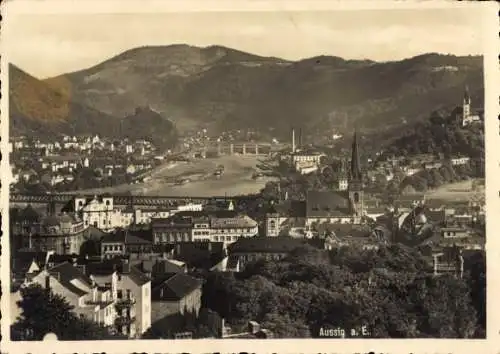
(50, 44)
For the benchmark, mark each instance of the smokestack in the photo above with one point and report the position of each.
(293, 140)
(300, 138)
(47, 282)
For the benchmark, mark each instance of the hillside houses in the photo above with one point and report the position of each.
(60, 160)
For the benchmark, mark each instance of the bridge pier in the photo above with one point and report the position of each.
(256, 149)
(244, 149)
(219, 149)
(231, 149)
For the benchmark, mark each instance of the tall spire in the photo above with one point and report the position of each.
(355, 164)
(466, 94)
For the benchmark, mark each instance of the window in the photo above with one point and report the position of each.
(356, 197)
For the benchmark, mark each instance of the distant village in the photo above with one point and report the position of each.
(55, 163)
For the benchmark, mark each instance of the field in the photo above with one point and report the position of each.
(459, 191)
(237, 178)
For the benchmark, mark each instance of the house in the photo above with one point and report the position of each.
(173, 298)
(203, 226)
(213, 205)
(132, 281)
(286, 219)
(58, 162)
(80, 291)
(28, 175)
(62, 233)
(132, 293)
(303, 156)
(411, 170)
(448, 261)
(229, 226)
(26, 264)
(199, 255)
(454, 232)
(348, 235)
(177, 294)
(247, 250)
(460, 160)
(158, 267)
(125, 242)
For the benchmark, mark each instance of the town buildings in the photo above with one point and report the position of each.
(114, 295)
(62, 233)
(217, 226)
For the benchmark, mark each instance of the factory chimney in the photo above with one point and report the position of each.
(293, 140)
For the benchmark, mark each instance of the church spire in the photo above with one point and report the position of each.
(466, 94)
(355, 164)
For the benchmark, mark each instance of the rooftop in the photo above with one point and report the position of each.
(260, 244)
(66, 273)
(175, 288)
(327, 204)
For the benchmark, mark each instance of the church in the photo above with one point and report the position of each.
(468, 117)
(345, 205)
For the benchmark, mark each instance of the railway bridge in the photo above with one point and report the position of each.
(242, 148)
(63, 198)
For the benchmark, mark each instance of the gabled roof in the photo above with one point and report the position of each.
(138, 277)
(327, 204)
(29, 214)
(95, 233)
(137, 237)
(259, 244)
(200, 254)
(23, 260)
(66, 273)
(176, 287)
(118, 236)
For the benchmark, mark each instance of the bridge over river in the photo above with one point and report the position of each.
(60, 198)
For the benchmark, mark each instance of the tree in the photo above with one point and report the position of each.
(44, 312)
(437, 179)
(419, 183)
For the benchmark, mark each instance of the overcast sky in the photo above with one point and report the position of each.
(51, 44)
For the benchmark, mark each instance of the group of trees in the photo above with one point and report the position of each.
(441, 134)
(433, 178)
(389, 291)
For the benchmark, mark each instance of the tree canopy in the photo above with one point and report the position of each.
(390, 291)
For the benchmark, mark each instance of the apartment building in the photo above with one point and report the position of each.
(202, 226)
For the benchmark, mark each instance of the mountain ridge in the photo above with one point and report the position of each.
(223, 88)
(39, 110)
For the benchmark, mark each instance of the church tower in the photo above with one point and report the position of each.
(355, 188)
(343, 176)
(466, 105)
